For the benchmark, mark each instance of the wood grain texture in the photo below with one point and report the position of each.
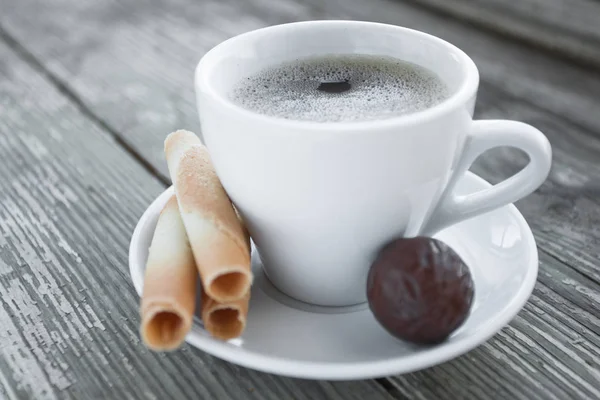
(131, 66)
(569, 28)
(550, 353)
(132, 63)
(69, 199)
(528, 75)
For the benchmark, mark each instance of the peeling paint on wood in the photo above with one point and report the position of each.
(70, 200)
(68, 312)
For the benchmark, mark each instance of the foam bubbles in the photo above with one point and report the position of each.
(381, 87)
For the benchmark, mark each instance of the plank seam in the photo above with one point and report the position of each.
(65, 90)
(586, 62)
(390, 387)
(511, 96)
(571, 267)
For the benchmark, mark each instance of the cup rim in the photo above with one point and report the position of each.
(460, 96)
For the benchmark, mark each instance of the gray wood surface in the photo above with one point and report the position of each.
(70, 196)
(132, 64)
(122, 71)
(567, 28)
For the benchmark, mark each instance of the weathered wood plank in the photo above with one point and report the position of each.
(133, 64)
(565, 211)
(566, 28)
(139, 57)
(551, 350)
(69, 199)
(564, 214)
(144, 63)
(132, 67)
(519, 70)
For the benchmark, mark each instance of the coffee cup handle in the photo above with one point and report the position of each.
(485, 135)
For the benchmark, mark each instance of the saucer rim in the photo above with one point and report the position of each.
(228, 351)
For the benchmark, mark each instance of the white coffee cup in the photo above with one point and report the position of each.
(321, 199)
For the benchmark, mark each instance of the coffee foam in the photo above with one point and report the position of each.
(381, 87)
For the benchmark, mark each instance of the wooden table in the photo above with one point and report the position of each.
(88, 91)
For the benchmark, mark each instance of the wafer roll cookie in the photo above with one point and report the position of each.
(224, 320)
(169, 292)
(220, 244)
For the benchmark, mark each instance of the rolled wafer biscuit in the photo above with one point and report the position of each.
(220, 243)
(169, 292)
(224, 320)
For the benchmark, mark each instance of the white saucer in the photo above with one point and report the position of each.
(286, 337)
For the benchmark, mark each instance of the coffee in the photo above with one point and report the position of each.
(336, 88)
